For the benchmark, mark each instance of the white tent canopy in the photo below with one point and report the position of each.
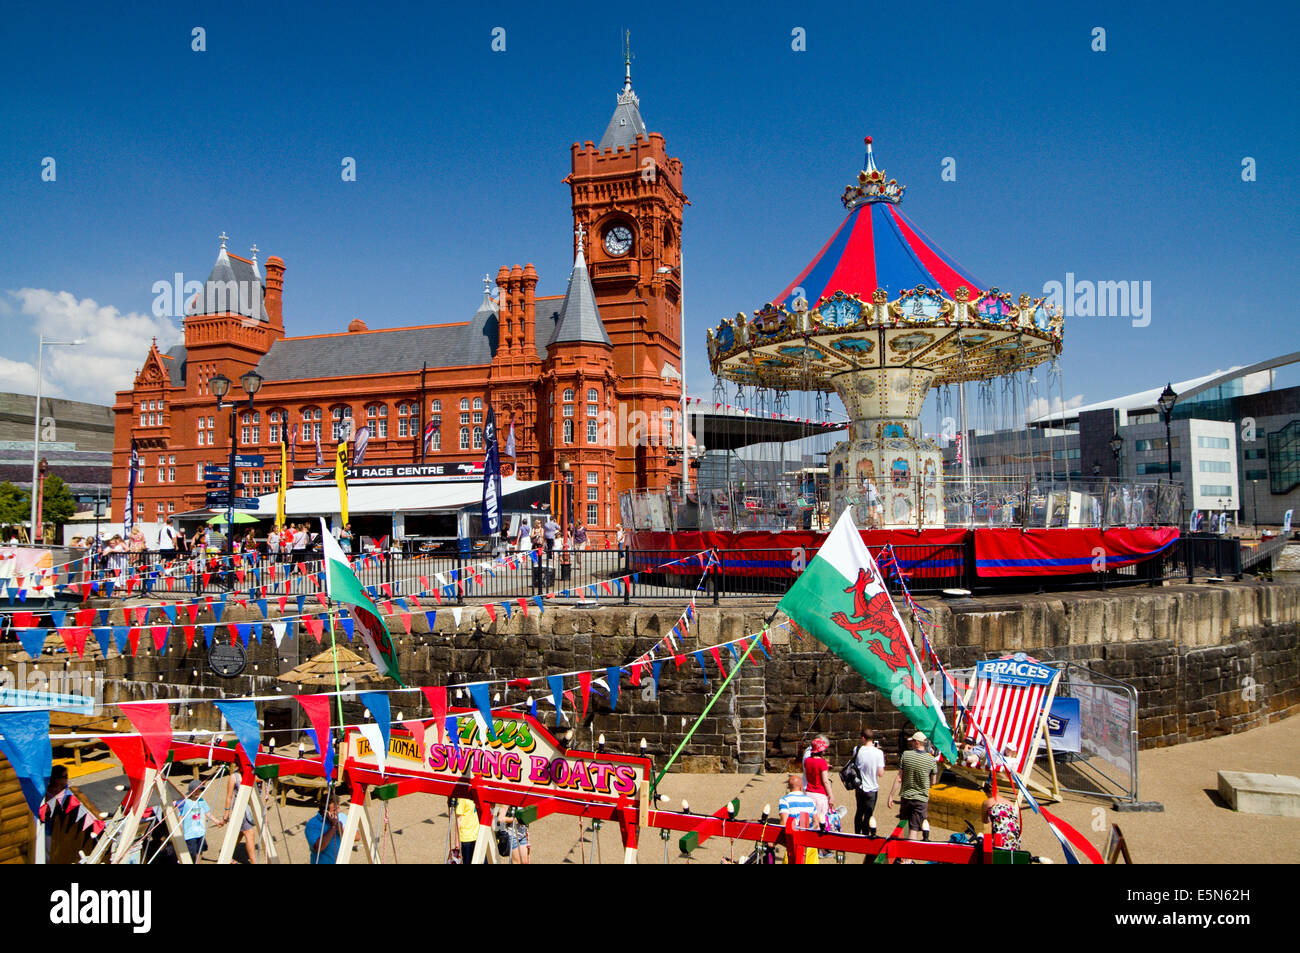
(387, 498)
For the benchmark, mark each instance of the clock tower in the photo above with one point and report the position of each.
(626, 194)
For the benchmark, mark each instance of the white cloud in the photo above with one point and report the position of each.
(114, 349)
(1039, 407)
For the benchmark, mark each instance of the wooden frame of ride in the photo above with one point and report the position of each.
(631, 812)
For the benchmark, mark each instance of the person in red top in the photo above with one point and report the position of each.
(817, 779)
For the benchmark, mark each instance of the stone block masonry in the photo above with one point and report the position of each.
(1205, 659)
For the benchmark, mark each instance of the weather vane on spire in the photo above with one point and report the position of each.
(627, 60)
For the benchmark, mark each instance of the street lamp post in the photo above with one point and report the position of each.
(1254, 493)
(1167, 399)
(251, 381)
(41, 345)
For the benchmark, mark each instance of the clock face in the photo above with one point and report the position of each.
(618, 240)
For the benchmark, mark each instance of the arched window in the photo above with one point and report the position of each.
(276, 429)
(408, 421)
(478, 438)
(377, 420)
(478, 403)
(593, 402)
(436, 442)
(591, 430)
(464, 403)
(464, 438)
(436, 407)
(339, 430)
(568, 431)
(310, 423)
(568, 393)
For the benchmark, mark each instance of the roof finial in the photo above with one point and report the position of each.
(869, 163)
(627, 61)
(487, 285)
(253, 251)
(224, 238)
(581, 232)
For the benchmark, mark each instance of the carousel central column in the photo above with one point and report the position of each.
(886, 470)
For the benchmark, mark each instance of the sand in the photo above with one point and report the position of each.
(1195, 826)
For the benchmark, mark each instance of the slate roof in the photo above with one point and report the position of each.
(479, 341)
(626, 123)
(174, 364)
(366, 352)
(234, 286)
(579, 318)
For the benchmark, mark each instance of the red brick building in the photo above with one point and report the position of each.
(579, 375)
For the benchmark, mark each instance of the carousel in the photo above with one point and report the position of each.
(880, 316)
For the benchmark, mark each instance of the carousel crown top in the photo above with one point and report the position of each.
(881, 294)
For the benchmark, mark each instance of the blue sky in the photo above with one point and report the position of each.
(1116, 165)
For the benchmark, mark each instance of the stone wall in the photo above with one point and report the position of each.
(1205, 660)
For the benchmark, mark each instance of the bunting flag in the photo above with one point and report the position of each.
(343, 586)
(613, 675)
(153, 721)
(479, 693)
(317, 708)
(25, 741)
(437, 695)
(129, 751)
(556, 683)
(584, 683)
(377, 704)
(841, 599)
(241, 715)
(377, 736)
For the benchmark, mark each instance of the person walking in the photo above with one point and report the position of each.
(912, 784)
(550, 532)
(579, 544)
(166, 543)
(194, 812)
(525, 535)
(465, 819)
(817, 779)
(870, 763)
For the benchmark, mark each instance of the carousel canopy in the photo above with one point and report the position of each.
(880, 295)
(876, 246)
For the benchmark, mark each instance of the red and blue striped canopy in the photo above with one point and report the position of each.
(876, 246)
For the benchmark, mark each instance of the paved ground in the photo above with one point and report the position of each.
(1195, 827)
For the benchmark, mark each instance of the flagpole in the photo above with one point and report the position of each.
(698, 721)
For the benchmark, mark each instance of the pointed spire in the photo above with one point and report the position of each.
(579, 317)
(626, 123)
(253, 252)
(869, 163)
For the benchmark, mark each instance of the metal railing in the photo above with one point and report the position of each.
(815, 504)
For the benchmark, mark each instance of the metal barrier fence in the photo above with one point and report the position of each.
(815, 504)
(665, 574)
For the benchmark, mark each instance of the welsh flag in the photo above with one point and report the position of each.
(342, 585)
(841, 599)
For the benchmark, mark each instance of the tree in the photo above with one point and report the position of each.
(15, 504)
(58, 504)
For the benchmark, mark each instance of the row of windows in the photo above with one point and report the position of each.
(1144, 469)
(1216, 466)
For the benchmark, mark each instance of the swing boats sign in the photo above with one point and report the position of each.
(522, 755)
